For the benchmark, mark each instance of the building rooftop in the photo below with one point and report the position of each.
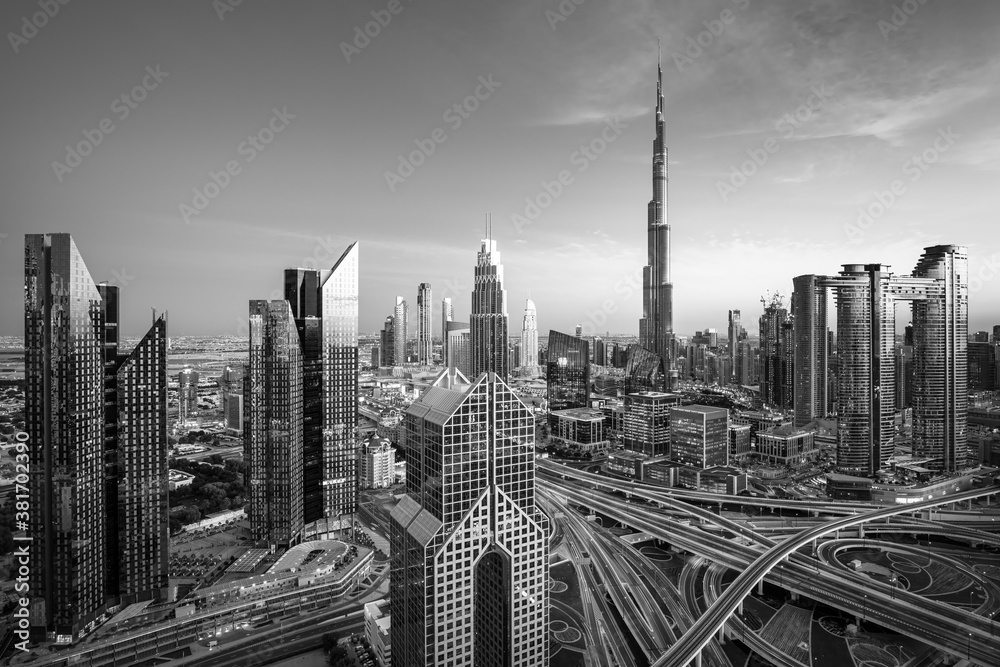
(581, 414)
(703, 409)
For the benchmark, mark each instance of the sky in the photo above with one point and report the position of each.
(802, 135)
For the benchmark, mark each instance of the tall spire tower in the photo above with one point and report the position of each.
(657, 324)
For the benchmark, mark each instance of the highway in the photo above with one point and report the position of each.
(829, 587)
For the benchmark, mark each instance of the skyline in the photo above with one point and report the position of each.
(555, 85)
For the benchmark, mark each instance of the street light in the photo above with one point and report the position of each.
(968, 648)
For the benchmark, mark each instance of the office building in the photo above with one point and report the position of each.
(646, 427)
(644, 371)
(786, 445)
(377, 630)
(980, 337)
(231, 390)
(459, 347)
(469, 547)
(774, 378)
(400, 330)
(903, 375)
(740, 437)
(97, 447)
(699, 436)
(425, 308)
(580, 430)
(447, 315)
(488, 321)
(656, 327)
(387, 342)
(272, 437)
(567, 372)
(529, 340)
(982, 367)
(810, 348)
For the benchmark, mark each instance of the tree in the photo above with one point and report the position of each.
(330, 640)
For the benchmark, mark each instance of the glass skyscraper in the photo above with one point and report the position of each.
(644, 371)
(811, 363)
(469, 547)
(567, 371)
(96, 426)
(488, 321)
(425, 309)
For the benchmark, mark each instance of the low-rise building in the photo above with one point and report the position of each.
(580, 429)
(177, 479)
(377, 626)
(740, 436)
(625, 462)
(786, 445)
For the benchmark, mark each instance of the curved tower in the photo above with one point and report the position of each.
(657, 324)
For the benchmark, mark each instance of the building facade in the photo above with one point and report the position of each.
(811, 361)
(447, 315)
(646, 427)
(567, 372)
(699, 436)
(425, 308)
(400, 330)
(377, 464)
(488, 321)
(529, 339)
(469, 547)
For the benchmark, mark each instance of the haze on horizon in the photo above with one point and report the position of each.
(881, 96)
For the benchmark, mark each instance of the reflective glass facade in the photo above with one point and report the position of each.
(644, 371)
(811, 344)
(647, 422)
(425, 309)
(469, 550)
(272, 432)
(567, 372)
(699, 436)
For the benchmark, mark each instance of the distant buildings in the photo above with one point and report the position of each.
(97, 447)
(469, 547)
(400, 330)
(425, 318)
(387, 343)
(567, 372)
(187, 394)
(231, 388)
(447, 315)
(529, 340)
(488, 321)
(775, 355)
(459, 347)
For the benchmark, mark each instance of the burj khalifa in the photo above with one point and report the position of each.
(656, 327)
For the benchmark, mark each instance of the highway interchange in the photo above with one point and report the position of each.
(754, 553)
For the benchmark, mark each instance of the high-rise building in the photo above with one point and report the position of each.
(699, 436)
(459, 347)
(940, 349)
(488, 321)
(657, 324)
(425, 308)
(866, 297)
(272, 436)
(376, 464)
(736, 334)
(529, 339)
(774, 377)
(231, 388)
(387, 342)
(567, 372)
(447, 315)
(469, 547)
(187, 393)
(97, 447)
(982, 366)
(903, 373)
(811, 362)
(644, 371)
(579, 331)
(980, 337)
(996, 333)
(400, 330)
(646, 427)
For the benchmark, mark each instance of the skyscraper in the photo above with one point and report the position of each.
(529, 339)
(811, 344)
(387, 342)
(272, 436)
(97, 450)
(774, 366)
(447, 315)
(459, 347)
(425, 307)
(940, 361)
(469, 547)
(488, 321)
(657, 324)
(400, 329)
(567, 372)
(735, 336)
(644, 371)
